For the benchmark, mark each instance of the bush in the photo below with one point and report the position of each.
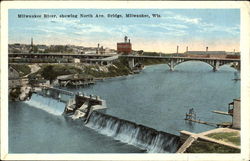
(15, 93)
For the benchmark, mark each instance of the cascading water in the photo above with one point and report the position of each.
(128, 132)
(50, 105)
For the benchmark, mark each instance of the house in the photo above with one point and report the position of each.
(14, 78)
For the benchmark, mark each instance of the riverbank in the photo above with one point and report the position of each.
(21, 93)
(52, 71)
(40, 73)
(218, 140)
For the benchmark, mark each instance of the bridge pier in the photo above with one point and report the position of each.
(216, 65)
(131, 63)
(172, 65)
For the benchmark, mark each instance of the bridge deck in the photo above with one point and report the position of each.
(59, 54)
(176, 57)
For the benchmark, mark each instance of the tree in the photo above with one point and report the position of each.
(49, 73)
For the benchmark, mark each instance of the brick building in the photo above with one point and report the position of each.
(124, 47)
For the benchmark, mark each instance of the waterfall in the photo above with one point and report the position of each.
(49, 105)
(138, 135)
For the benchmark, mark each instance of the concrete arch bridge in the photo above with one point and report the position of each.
(172, 62)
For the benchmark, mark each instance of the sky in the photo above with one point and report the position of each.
(219, 29)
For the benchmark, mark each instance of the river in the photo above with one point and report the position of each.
(157, 98)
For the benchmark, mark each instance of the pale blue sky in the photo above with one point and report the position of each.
(197, 28)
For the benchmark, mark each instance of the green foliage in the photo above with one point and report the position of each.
(51, 72)
(207, 147)
(22, 69)
(119, 68)
(15, 93)
(227, 137)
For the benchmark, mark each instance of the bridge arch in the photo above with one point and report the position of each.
(173, 64)
(230, 66)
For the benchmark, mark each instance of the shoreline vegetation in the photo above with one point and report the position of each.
(40, 73)
(52, 71)
(97, 72)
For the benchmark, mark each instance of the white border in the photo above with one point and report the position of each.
(245, 87)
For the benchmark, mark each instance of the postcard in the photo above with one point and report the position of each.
(125, 80)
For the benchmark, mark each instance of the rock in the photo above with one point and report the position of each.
(20, 93)
(25, 93)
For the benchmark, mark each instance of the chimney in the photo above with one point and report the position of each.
(32, 41)
(125, 38)
(177, 49)
(129, 40)
(187, 49)
(31, 46)
(206, 49)
(98, 48)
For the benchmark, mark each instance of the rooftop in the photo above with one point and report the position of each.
(205, 52)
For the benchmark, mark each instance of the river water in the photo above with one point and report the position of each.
(157, 98)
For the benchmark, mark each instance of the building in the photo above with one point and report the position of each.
(124, 47)
(100, 49)
(14, 78)
(234, 111)
(207, 54)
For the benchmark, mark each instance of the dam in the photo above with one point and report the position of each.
(145, 112)
(90, 111)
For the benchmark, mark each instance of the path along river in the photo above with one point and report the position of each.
(156, 97)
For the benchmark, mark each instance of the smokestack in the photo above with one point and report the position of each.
(32, 41)
(98, 48)
(31, 46)
(206, 49)
(187, 49)
(125, 38)
(129, 40)
(177, 49)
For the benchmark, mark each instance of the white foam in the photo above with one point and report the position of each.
(49, 105)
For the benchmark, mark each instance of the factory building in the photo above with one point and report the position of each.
(124, 47)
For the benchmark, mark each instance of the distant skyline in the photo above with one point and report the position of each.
(219, 29)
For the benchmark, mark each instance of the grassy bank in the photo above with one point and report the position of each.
(51, 72)
(117, 69)
(207, 147)
(231, 137)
